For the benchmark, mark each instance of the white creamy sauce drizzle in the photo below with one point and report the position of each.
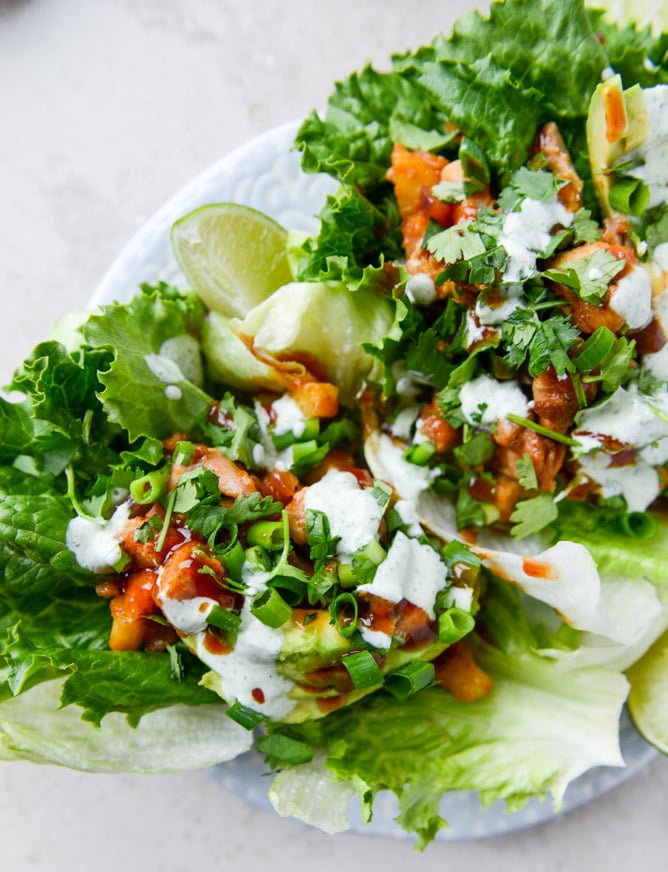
(459, 598)
(173, 392)
(251, 666)
(184, 351)
(353, 514)
(491, 316)
(188, 615)
(407, 478)
(631, 419)
(637, 482)
(411, 571)
(653, 152)
(409, 517)
(475, 331)
(289, 418)
(486, 400)
(375, 638)
(265, 454)
(420, 289)
(657, 362)
(164, 369)
(526, 234)
(402, 426)
(95, 544)
(632, 298)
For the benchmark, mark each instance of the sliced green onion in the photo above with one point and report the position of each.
(342, 605)
(224, 619)
(363, 670)
(150, 487)
(284, 440)
(629, 196)
(266, 534)
(337, 432)
(270, 608)
(364, 562)
(592, 352)
(544, 431)
(282, 750)
(420, 454)
(257, 558)
(183, 453)
(233, 560)
(411, 678)
(247, 717)
(454, 624)
(306, 455)
(640, 525)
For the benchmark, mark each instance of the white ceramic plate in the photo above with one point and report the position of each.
(266, 174)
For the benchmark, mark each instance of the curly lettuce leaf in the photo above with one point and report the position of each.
(629, 47)
(145, 390)
(549, 47)
(354, 239)
(62, 386)
(354, 141)
(35, 565)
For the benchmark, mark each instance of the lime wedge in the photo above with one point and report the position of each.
(233, 256)
(648, 698)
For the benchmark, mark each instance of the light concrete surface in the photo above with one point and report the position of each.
(108, 107)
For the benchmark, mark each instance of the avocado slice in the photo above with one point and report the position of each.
(616, 124)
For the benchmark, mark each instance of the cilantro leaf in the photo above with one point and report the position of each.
(531, 516)
(525, 183)
(589, 276)
(585, 229)
(459, 242)
(541, 341)
(527, 473)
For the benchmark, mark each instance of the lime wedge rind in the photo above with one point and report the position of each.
(233, 256)
(648, 697)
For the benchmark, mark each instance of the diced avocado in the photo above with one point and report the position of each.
(616, 124)
(310, 642)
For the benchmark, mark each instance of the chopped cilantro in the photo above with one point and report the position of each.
(543, 341)
(459, 242)
(525, 184)
(588, 276)
(585, 229)
(527, 473)
(531, 516)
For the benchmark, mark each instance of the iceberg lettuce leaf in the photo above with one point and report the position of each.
(324, 322)
(36, 728)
